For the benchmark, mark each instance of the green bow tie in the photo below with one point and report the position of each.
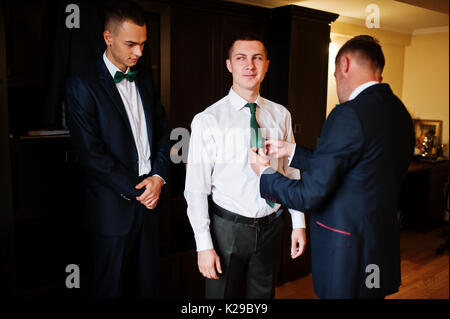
(119, 76)
(255, 138)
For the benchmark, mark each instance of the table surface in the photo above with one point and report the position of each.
(420, 165)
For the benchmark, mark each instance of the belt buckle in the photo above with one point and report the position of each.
(255, 222)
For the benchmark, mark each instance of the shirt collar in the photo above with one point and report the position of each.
(111, 67)
(361, 88)
(238, 102)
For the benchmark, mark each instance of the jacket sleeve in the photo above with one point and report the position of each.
(161, 142)
(338, 149)
(93, 153)
(301, 158)
(160, 131)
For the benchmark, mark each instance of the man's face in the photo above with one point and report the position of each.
(125, 43)
(248, 64)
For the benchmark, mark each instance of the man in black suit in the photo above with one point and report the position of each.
(350, 183)
(121, 134)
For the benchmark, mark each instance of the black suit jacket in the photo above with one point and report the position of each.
(102, 136)
(350, 185)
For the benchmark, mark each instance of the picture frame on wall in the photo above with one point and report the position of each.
(428, 128)
(428, 137)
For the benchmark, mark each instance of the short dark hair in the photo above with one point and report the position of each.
(124, 10)
(367, 47)
(247, 36)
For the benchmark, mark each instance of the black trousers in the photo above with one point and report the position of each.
(249, 256)
(128, 265)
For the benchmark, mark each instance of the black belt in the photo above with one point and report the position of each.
(226, 214)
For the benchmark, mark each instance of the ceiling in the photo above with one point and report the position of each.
(406, 16)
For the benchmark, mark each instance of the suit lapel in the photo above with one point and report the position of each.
(109, 86)
(146, 105)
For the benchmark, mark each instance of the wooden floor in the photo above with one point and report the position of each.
(425, 274)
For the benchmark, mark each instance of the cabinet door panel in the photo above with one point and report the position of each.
(308, 79)
(46, 180)
(193, 61)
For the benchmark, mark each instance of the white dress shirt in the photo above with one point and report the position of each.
(218, 162)
(361, 88)
(135, 111)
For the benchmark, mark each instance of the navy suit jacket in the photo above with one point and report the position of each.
(350, 185)
(101, 134)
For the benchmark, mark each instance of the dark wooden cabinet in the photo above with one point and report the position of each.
(422, 199)
(7, 256)
(299, 40)
(46, 178)
(47, 205)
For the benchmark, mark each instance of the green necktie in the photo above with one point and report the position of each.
(255, 138)
(119, 76)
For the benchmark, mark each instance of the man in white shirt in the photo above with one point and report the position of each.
(239, 242)
(121, 134)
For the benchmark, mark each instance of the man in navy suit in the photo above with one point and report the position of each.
(121, 134)
(350, 183)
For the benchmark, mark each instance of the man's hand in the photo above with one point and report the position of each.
(298, 242)
(257, 161)
(149, 198)
(278, 149)
(208, 262)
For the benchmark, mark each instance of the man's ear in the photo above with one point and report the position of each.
(228, 62)
(344, 64)
(107, 36)
(378, 75)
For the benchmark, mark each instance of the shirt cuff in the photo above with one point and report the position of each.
(292, 155)
(161, 178)
(298, 219)
(264, 169)
(204, 241)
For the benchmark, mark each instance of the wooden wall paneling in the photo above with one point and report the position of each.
(170, 277)
(192, 57)
(164, 11)
(49, 230)
(299, 46)
(308, 78)
(7, 255)
(279, 56)
(193, 282)
(46, 178)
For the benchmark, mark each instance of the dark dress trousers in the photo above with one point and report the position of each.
(125, 233)
(350, 185)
